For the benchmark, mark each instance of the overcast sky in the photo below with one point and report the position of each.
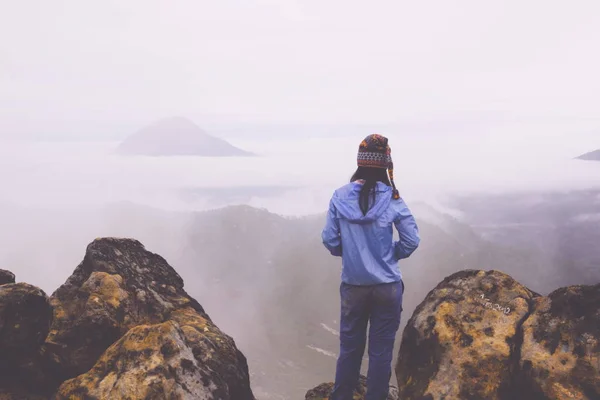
(111, 64)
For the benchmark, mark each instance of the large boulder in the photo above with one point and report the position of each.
(6, 277)
(481, 335)
(117, 286)
(560, 355)
(125, 294)
(462, 341)
(191, 360)
(323, 391)
(25, 318)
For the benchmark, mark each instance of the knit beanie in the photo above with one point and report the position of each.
(374, 152)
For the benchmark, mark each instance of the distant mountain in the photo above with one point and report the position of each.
(591, 156)
(177, 136)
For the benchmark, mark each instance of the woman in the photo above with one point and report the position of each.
(359, 230)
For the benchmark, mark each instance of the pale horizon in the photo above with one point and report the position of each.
(104, 69)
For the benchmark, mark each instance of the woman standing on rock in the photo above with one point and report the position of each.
(359, 230)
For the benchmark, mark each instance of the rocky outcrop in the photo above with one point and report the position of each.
(168, 360)
(6, 277)
(323, 391)
(109, 318)
(121, 327)
(560, 355)
(462, 340)
(117, 286)
(482, 335)
(25, 317)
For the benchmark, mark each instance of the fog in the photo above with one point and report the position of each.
(476, 98)
(58, 196)
(305, 171)
(69, 68)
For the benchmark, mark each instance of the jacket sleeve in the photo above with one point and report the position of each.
(408, 232)
(331, 233)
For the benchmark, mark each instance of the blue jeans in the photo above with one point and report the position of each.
(380, 306)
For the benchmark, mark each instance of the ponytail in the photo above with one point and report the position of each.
(370, 176)
(363, 199)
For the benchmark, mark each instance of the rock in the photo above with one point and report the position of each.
(163, 361)
(560, 355)
(177, 136)
(122, 289)
(25, 318)
(517, 345)
(462, 342)
(323, 391)
(19, 395)
(6, 277)
(117, 286)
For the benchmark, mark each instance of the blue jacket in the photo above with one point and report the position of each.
(365, 242)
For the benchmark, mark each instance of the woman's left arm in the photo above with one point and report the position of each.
(407, 230)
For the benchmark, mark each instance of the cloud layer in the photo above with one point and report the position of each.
(68, 66)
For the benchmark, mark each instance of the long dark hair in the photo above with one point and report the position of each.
(371, 176)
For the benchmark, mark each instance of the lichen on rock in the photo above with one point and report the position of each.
(463, 339)
(124, 327)
(560, 355)
(117, 286)
(152, 362)
(483, 335)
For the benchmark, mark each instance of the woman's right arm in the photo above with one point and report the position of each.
(331, 233)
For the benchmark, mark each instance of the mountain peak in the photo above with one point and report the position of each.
(177, 136)
(591, 156)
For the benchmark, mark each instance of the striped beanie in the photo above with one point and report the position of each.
(375, 152)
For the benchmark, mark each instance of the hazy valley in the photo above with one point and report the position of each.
(244, 233)
(267, 281)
